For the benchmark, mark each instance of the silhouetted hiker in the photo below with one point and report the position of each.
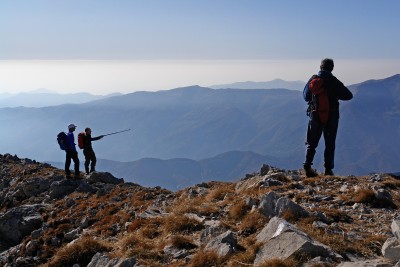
(90, 156)
(323, 92)
(71, 152)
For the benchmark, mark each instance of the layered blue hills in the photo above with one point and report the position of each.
(196, 123)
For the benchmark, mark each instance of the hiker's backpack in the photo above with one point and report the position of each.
(320, 101)
(62, 140)
(81, 137)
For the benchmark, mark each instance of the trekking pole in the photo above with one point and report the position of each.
(117, 132)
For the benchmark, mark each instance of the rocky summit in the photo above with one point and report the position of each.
(272, 218)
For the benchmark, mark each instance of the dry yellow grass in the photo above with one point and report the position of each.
(206, 259)
(182, 242)
(181, 224)
(238, 210)
(279, 263)
(246, 253)
(80, 252)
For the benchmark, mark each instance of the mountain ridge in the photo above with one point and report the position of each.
(197, 123)
(273, 217)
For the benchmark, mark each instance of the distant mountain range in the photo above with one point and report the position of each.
(179, 173)
(274, 84)
(45, 98)
(197, 123)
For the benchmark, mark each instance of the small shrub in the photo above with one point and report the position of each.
(365, 196)
(248, 255)
(238, 210)
(279, 263)
(252, 222)
(182, 242)
(219, 193)
(181, 223)
(140, 247)
(82, 251)
(206, 259)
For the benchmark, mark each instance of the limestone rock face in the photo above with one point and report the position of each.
(223, 244)
(272, 205)
(19, 222)
(101, 260)
(367, 263)
(283, 240)
(396, 229)
(391, 249)
(103, 177)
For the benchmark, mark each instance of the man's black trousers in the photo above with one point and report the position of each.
(74, 156)
(90, 159)
(314, 132)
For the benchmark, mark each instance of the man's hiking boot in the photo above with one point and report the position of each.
(310, 172)
(328, 172)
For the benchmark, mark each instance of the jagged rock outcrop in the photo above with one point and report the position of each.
(366, 263)
(102, 260)
(391, 248)
(283, 240)
(274, 214)
(272, 205)
(223, 244)
(19, 222)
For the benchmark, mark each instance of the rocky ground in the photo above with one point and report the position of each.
(271, 218)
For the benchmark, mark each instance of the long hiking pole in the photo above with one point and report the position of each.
(117, 132)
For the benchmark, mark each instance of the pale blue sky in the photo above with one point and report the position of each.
(349, 31)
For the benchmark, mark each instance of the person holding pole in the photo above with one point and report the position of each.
(90, 156)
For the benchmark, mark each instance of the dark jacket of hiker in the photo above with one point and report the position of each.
(90, 156)
(87, 141)
(336, 91)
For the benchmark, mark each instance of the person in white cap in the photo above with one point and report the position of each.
(71, 152)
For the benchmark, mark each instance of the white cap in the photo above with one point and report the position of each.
(71, 126)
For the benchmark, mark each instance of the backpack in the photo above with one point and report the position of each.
(320, 101)
(81, 137)
(62, 140)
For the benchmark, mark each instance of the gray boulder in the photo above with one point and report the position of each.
(367, 263)
(35, 186)
(268, 203)
(396, 229)
(103, 177)
(391, 249)
(283, 240)
(60, 189)
(286, 205)
(212, 228)
(272, 205)
(19, 222)
(223, 244)
(102, 260)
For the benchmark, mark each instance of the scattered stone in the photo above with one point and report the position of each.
(283, 240)
(102, 260)
(103, 177)
(366, 263)
(19, 222)
(396, 229)
(223, 244)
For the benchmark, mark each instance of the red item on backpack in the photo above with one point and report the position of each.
(81, 137)
(316, 87)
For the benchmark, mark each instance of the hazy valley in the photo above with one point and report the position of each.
(178, 136)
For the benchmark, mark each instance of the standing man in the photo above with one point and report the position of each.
(71, 152)
(323, 92)
(90, 156)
